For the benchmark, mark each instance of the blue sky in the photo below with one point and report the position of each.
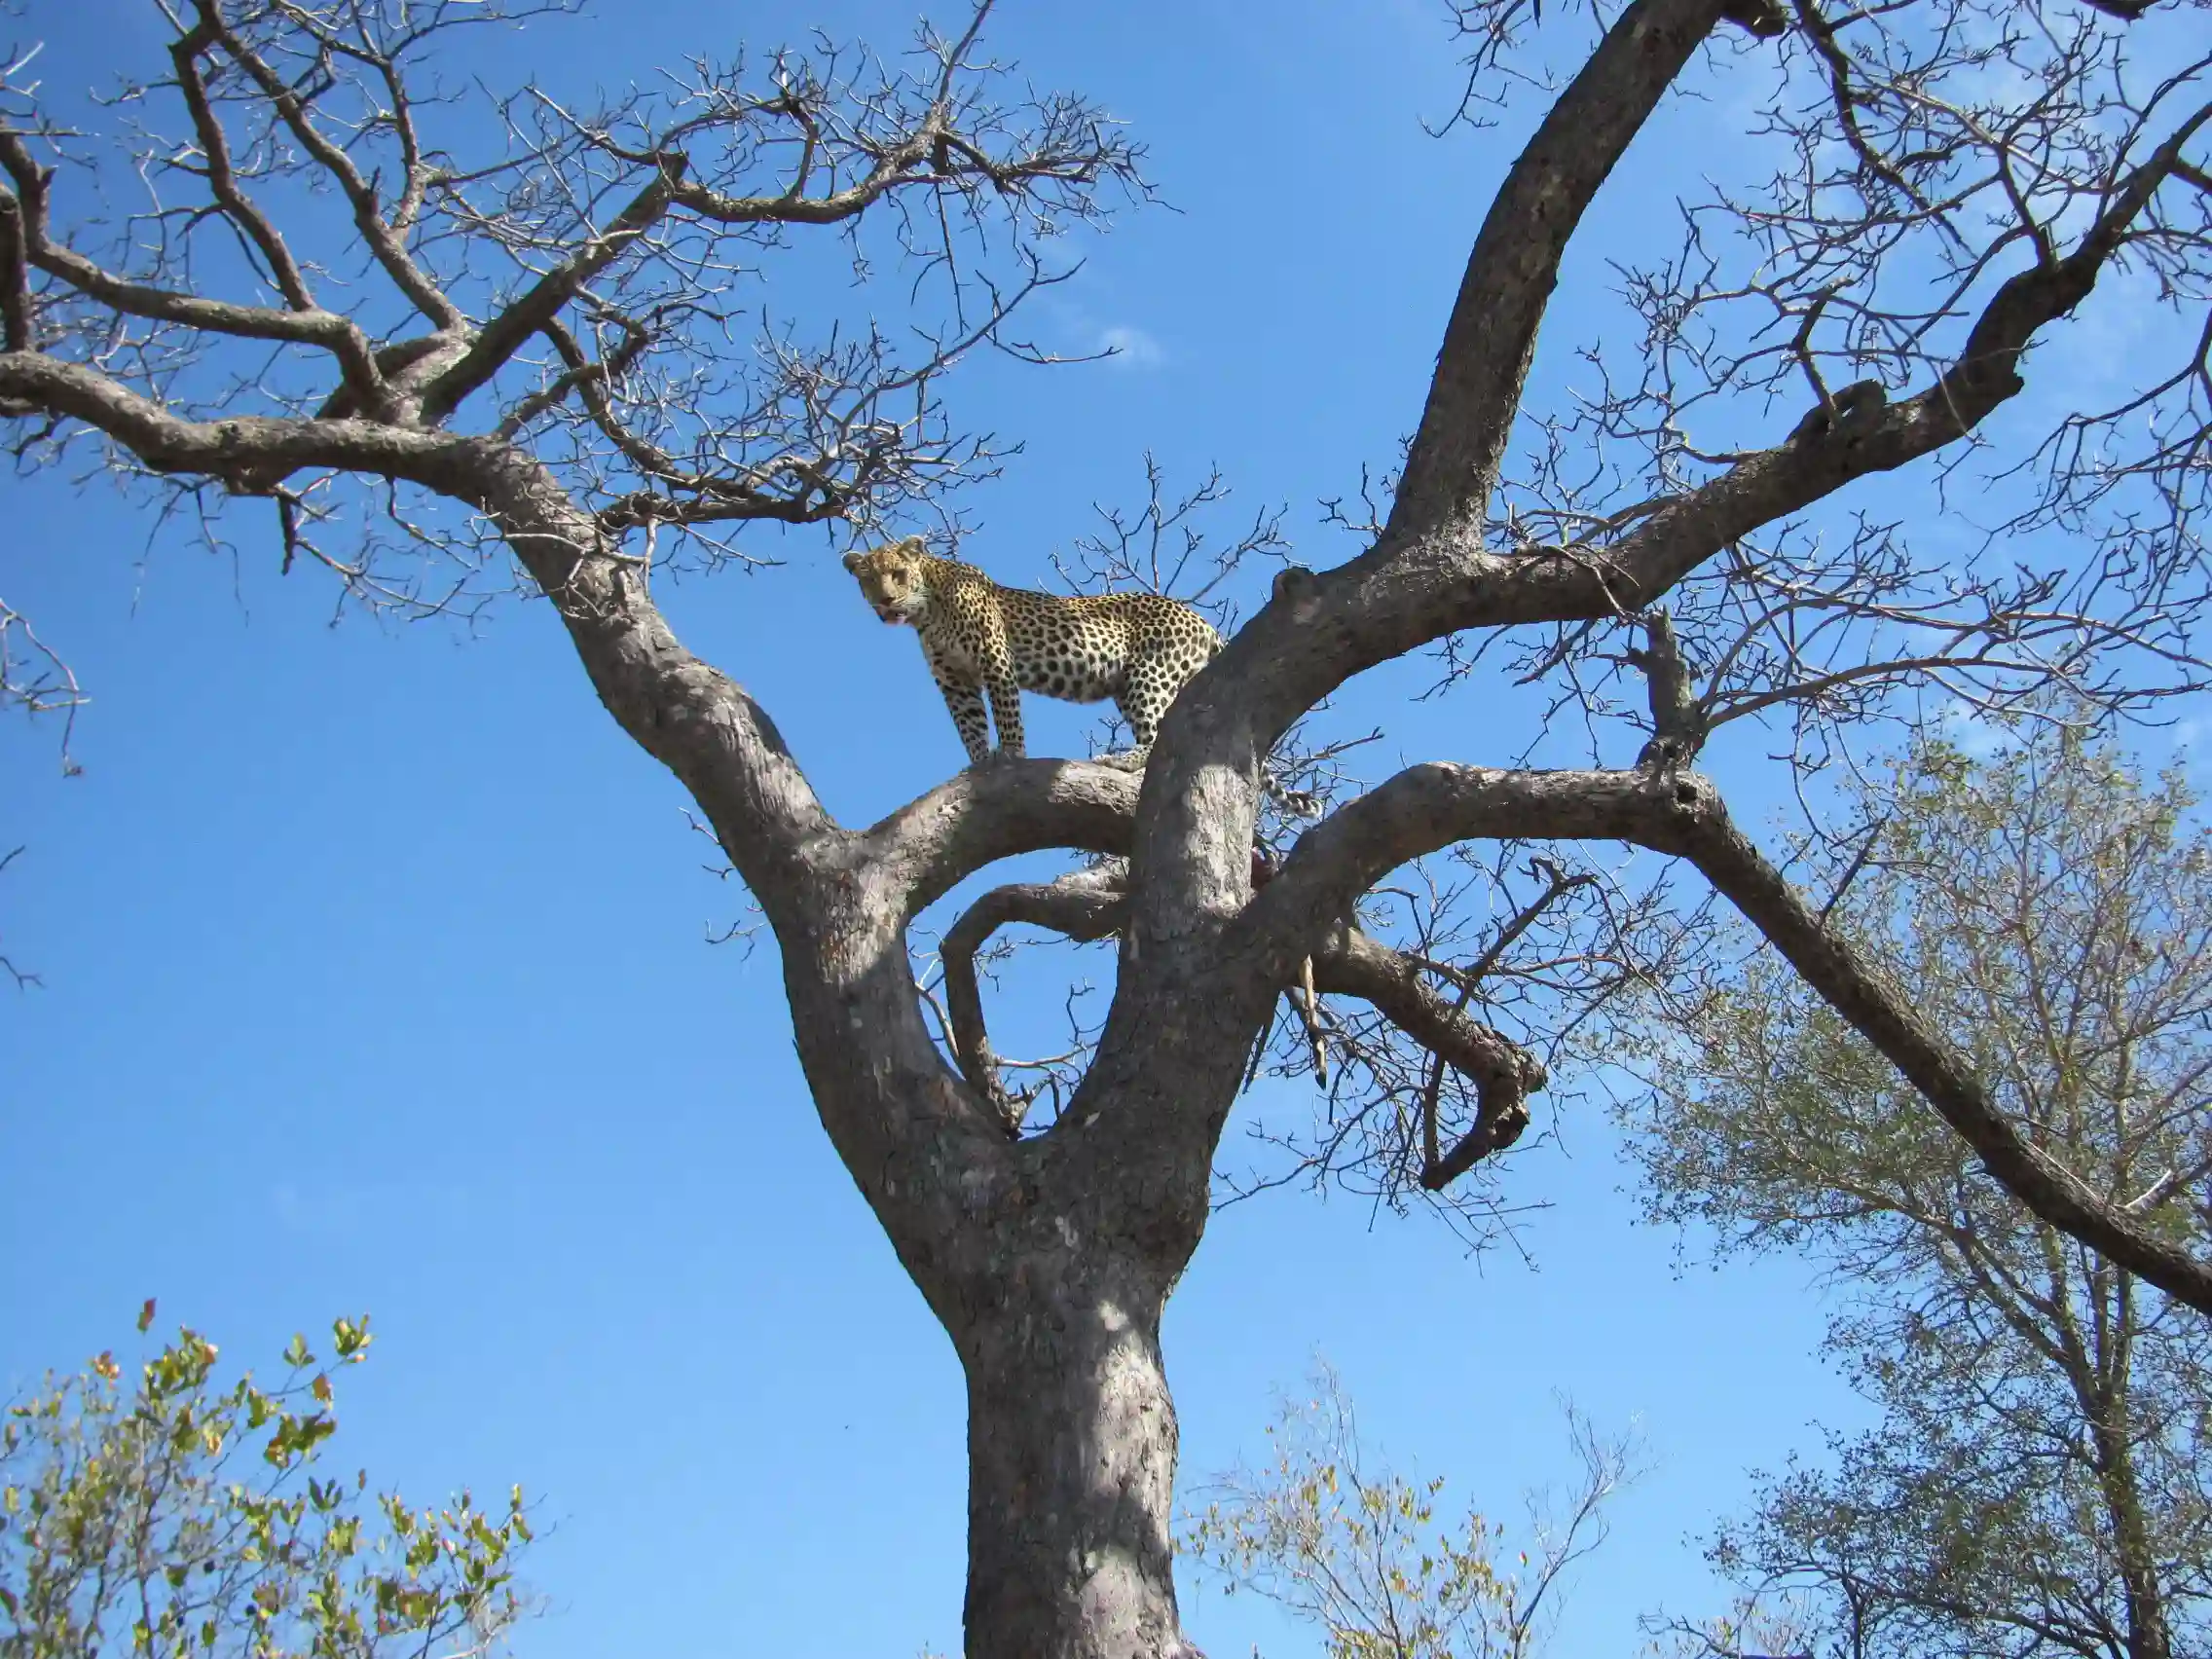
(375, 976)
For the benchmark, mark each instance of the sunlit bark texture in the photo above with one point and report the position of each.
(424, 363)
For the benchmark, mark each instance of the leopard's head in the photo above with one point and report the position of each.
(893, 581)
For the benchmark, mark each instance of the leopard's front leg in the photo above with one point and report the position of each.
(965, 701)
(996, 659)
(1006, 711)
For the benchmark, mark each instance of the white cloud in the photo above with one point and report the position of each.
(1131, 348)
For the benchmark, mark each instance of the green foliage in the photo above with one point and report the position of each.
(2042, 906)
(186, 1519)
(2038, 1484)
(1361, 1551)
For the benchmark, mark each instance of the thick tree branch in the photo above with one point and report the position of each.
(1678, 723)
(842, 933)
(15, 331)
(1683, 533)
(1352, 963)
(1428, 807)
(1389, 602)
(1885, 1015)
(224, 448)
(997, 811)
(1339, 623)
(704, 727)
(1091, 904)
(1428, 575)
(689, 716)
(1514, 266)
(1083, 904)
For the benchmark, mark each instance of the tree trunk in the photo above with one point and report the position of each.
(1048, 1261)
(1071, 1458)
(2148, 1633)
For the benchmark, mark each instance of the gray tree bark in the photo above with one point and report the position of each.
(1071, 1460)
(1051, 1260)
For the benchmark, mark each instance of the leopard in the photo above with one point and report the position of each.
(979, 639)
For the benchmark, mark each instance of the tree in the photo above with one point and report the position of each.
(1358, 1550)
(182, 1518)
(2037, 1485)
(529, 359)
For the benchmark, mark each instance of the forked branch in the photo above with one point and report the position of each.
(1354, 963)
(1083, 905)
(1683, 814)
(1091, 904)
(1439, 1170)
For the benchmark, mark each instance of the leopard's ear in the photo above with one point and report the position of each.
(853, 562)
(914, 547)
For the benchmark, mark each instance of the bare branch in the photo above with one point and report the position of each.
(1433, 1161)
(1505, 1073)
(614, 237)
(1681, 814)
(35, 677)
(1083, 904)
(382, 234)
(504, 335)
(1088, 904)
(1453, 462)
(989, 813)
(306, 325)
(23, 980)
